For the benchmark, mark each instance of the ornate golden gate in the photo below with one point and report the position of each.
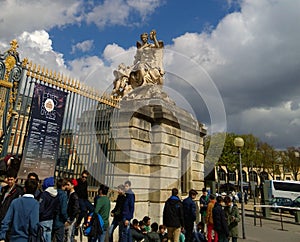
(86, 124)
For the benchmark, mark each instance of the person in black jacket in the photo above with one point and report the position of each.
(117, 214)
(136, 233)
(204, 199)
(9, 193)
(173, 216)
(189, 209)
(49, 205)
(82, 191)
(220, 223)
(72, 209)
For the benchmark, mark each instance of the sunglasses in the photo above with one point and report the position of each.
(84, 177)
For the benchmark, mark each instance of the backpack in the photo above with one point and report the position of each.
(93, 226)
(39, 237)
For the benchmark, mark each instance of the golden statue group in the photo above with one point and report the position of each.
(146, 69)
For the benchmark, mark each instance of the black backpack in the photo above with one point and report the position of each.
(39, 237)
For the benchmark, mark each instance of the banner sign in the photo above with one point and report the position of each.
(42, 144)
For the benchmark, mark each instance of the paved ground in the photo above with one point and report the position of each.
(270, 231)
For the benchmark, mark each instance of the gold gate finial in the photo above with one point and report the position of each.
(14, 45)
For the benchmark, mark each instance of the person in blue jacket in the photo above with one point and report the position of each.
(61, 217)
(189, 210)
(22, 217)
(128, 211)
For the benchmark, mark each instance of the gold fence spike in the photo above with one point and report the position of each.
(24, 62)
(14, 45)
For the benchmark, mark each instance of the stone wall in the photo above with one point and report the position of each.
(156, 143)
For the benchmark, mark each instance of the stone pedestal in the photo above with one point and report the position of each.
(159, 146)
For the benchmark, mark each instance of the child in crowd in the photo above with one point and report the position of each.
(163, 233)
(136, 233)
(147, 222)
(199, 235)
(153, 235)
(142, 226)
(182, 236)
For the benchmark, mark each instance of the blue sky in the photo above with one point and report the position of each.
(233, 63)
(171, 19)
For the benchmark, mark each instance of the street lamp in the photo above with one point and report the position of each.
(297, 155)
(239, 143)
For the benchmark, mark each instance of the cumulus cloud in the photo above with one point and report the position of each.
(37, 46)
(18, 16)
(83, 46)
(119, 12)
(252, 57)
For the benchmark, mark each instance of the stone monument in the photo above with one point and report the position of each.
(159, 145)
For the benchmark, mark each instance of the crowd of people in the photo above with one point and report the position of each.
(221, 215)
(219, 218)
(56, 212)
(55, 209)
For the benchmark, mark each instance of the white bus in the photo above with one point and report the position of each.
(287, 189)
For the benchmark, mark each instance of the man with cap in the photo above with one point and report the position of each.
(49, 205)
(189, 210)
(72, 209)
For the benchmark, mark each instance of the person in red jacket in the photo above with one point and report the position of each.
(209, 219)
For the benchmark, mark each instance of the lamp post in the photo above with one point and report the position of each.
(218, 179)
(297, 155)
(239, 143)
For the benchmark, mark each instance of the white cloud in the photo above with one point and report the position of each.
(253, 58)
(30, 15)
(83, 46)
(37, 39)
(37, 46)
(145, 7)
(92, 71)
(115, 54)
(119, 12)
